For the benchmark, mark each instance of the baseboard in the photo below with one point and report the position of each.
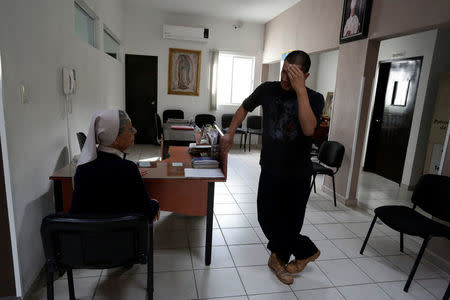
(407, 187)
(339, 198)
(38, 283)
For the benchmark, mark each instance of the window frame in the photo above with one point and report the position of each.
(253, 74)
(111, 34)
(90, 14)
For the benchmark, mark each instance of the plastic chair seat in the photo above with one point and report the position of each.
(254, 131)
(409, 221)
(320, 169)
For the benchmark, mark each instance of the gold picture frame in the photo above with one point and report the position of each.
(328, 105)
(184, 72)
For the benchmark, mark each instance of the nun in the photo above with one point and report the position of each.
(105, 182)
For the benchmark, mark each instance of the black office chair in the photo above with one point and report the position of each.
(96, 243)
(226, 121)
(431, 194)
(81, 139)
(172, 114)
(159, 129)
(254, 126)
(330, 156)
(204, 119)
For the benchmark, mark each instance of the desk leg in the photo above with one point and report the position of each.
(209, 223)
(58, 194)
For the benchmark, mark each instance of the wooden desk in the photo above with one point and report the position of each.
(174, 191)
(175, 138)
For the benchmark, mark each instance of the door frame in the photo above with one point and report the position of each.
(8, 190)
(372, 104)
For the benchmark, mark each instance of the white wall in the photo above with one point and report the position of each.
(326, 72)
(420, 44)
(439, 66)
(274, 71)
(143, 35)
(36, 40)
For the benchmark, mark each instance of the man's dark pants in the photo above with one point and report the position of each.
(281, 211)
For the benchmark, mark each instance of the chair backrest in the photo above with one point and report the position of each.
(81, 139)
(331, 153)
(254, 122)
(96, 243)
(158, 125)
(226, 120)
(203, 119)
(172, 114)
(432, 194)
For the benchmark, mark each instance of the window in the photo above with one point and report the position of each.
(235, 78)
(110, 44)
(84, 24)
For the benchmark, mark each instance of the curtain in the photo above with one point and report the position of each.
(214, 65)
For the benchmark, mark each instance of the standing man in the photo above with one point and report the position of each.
(291, 113)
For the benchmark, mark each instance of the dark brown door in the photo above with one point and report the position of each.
(7, 285)
(392, 117)
(141, 91)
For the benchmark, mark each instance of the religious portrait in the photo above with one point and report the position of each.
(355, 20)
(184, 72)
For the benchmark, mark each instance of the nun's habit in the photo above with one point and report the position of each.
(105, 182)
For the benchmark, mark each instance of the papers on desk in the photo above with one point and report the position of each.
(203, 173)
(181, 127)
(195, 146)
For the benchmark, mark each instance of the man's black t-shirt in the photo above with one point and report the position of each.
(285, 149)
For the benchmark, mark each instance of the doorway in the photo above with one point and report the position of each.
(392, 117)
(141, 93)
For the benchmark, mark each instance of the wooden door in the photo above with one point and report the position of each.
(141, 91)
(392, 117)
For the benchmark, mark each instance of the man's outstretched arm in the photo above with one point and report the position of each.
(226, 142)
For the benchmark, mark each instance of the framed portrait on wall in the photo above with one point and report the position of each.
(184, 72)
(355, 20)
(328, 105)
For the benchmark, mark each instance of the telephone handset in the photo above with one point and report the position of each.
(69, 81)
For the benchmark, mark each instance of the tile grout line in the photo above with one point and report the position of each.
(232, 258)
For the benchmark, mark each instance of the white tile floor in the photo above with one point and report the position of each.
(239, 257)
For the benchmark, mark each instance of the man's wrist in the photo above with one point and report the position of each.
(301, 92)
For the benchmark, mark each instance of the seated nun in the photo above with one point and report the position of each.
(106, 182)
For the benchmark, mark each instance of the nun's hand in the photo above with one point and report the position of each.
(143, 172)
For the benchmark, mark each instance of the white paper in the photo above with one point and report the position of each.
(194, 145)
(203, 173)
(177, 164)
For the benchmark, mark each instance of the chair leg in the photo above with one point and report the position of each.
(245, 142)
(401, 242)
(447, 293)
(334, 191)
(71, 287)
(240, 143)
(368, 234)
(50, 291)
(150, 265)
(249, 141)
(314, 183)
(416, 264)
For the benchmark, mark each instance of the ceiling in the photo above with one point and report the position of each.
(255, 11)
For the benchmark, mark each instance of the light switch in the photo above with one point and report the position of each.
(23, 94)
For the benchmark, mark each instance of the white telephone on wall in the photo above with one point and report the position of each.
(69, 81)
